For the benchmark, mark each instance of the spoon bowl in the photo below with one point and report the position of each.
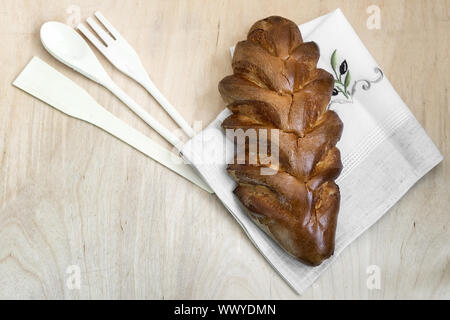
(67, 46)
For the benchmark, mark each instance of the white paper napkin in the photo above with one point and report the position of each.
(384, 150)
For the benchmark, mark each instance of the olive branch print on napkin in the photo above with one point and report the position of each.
(342, 80)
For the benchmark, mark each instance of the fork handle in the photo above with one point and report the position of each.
(173, 113)
(144, 115)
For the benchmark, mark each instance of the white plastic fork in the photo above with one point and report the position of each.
(119, 52)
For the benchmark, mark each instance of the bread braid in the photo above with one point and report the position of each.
(276, 85)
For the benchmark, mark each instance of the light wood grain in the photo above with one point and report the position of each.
(71, 194)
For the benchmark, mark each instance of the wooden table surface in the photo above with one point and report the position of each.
(72, 195)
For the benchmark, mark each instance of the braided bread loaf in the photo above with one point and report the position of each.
(277, 86)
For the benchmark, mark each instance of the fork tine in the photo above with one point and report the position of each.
(100, 32)
(107, 24)
(91, 37)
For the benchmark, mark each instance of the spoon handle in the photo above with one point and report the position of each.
(173, 113)
(144, 115)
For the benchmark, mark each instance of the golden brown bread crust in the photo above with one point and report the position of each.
(276, 85)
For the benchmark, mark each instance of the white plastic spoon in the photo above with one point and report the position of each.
(66, 45)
